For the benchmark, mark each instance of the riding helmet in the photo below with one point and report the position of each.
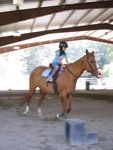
(63, 44)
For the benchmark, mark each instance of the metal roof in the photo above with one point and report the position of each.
(49, 21)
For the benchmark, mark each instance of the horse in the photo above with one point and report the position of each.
(66, 82)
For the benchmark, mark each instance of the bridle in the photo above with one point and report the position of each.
(93, 72)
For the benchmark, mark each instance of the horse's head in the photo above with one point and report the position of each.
(92, 66)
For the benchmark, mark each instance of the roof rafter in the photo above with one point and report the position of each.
(73, 11)
(110, 38)
(92, 32)
(11, 39)
(102, 22)
(104, 34)
(34, 20)
(70, 15)
(21, 15)
(95, 19)
(61, 3)
(82, 19)
(22, 46)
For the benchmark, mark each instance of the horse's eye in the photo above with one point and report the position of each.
(92, 61)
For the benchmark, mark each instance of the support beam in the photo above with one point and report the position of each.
(21, 15)
(34, 20)
(98, 40)
(106, 33)
(103, 22)
(92, 32)
(53, 16)
(11, 39)
(84, 15)
(23, 46)
(102, 12)
(110, 38)
(68, 17)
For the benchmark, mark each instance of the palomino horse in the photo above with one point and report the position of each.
(66, 83)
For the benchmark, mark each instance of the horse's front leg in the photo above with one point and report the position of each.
(64, 105)
(69, 99)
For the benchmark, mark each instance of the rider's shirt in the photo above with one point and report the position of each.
(55, 60)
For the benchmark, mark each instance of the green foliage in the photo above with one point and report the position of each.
(43, 55)
(106, 72)
(30, 58)
(109, 53)
(36, 56)
(103, 52)
(78, 49)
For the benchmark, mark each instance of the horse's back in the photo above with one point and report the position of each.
(37, 72)
(39, 69)
(37, 80)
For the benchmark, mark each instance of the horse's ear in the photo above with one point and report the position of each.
(87, 52)
(93, 52)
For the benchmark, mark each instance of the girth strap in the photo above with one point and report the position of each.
(55, 87)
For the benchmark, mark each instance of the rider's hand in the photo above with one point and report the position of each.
(64, 65)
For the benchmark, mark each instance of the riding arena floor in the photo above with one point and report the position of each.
(29, 132)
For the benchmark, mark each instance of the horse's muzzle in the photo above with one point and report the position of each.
(99, 73)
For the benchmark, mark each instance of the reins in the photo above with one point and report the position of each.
(88, 76)
(72, 72)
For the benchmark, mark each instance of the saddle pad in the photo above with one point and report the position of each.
(46, 72)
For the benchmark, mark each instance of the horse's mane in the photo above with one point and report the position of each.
(78, 60)
(89, 54)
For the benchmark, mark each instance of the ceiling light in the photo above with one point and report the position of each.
(16, 47)
(16, 34)
(18, 2)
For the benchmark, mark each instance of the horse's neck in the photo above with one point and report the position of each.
(78, 67)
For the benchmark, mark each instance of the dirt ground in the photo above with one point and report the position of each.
(20, 132)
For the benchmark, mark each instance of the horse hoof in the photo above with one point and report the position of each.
(24, 113)
(57, 116)
(40, 117)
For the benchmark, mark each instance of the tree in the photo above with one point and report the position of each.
(36, 56)
(109, 53)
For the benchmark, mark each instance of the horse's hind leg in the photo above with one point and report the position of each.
(41, 98)
(30, 94)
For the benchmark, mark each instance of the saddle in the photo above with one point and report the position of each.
(58, 73)
(47, 72)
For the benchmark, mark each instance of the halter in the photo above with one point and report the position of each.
(92, 70)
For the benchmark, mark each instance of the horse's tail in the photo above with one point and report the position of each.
(31, 86)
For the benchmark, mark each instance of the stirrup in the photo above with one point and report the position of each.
(49, 80)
